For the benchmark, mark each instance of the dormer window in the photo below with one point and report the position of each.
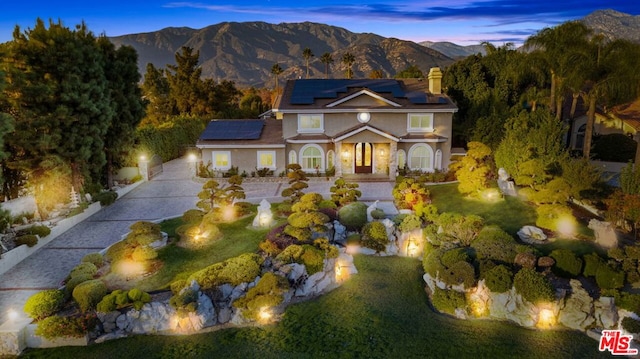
(310, 123)
(420, 122)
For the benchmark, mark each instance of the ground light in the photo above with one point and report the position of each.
(129, 268)
(566, 226)
(412, 247)
(342, 273)
(265, 315)
(546, 318)
(13, 315)
(228, 213)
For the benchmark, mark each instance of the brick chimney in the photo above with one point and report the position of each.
(435, 80)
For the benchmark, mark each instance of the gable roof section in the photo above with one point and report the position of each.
(365, 92)
(629, 113)
(360, 128)
(244, 136)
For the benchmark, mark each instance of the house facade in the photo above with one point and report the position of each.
(365, 127)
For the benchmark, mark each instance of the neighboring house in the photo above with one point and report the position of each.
(366, 126)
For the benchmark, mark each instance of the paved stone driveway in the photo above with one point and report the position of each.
(168, 195)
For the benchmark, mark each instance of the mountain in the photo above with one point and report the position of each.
(614, 24)
(454, 51)
(245, 52)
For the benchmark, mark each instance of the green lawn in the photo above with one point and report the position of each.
(382, 312)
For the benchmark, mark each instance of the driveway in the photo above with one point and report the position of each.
(168, 195)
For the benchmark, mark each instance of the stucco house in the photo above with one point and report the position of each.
(369, 127)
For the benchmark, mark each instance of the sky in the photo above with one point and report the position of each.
(465, 22)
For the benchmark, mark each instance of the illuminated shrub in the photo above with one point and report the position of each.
(498, 279)
(135, 247)
(409, 223)
(550, 216)
(447, 301)
(324, 245)
(311, 257)
(88, 294)
(192, 216)
(268, 293)
(84, 268)
(343, 193)
(567, 263)
(353, 215)
(143, 254)
(44, 304)
(463, 228)
(374, 236)
(533, 286)
(408, 193)
(243, 268)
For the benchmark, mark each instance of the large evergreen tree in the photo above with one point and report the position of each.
(158, 96)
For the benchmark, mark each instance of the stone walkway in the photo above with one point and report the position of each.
(168, 195)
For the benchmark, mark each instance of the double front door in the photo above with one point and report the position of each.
(363, 157)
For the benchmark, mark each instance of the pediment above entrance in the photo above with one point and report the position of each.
(365, 133)
(363, 99)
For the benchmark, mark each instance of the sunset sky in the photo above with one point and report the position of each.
(464, 22)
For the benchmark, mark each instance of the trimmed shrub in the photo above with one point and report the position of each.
(311, 257)
(409, 223)
(29, 239)
(460, 272)
(88, 294)
(592, 262)
(608, 277)
(243, 268)
(44, 304)
(353, 215)
(192, 216)
(499, 279)
(451, 266)
(533, 286)
(85, 269)
(495, 244)
(105, 197)
(407, 193)
(374, 236)
(69, 327)
(627, 301)
(343, 193)
(40, 231)
(267, 293)
(463, 228)
(73, 282)
(324, 245)
(567, 263)
(177, 286)
(94, 258)
(378, 214)
(143, 254)
(447, 301)
(549, 215)
(120, 299)
(186, 301)
(631, 325)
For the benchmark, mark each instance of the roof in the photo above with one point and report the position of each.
(241, 133)
(319, 93)
(629, 113)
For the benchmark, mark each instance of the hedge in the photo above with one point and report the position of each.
(44, 304)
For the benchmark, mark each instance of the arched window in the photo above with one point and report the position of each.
(293, 157)
(421, 157)
(330, 158)
(402, 159)
(311, 158)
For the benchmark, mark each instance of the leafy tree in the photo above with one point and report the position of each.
(306, 219)
(411, 72)
(307, 54)
(251, 103)
(348, 59)
(156, 90)
(343, 193)
(185, 84)
(276, 70)
(475, 169)
(214, 195)
(326, 59)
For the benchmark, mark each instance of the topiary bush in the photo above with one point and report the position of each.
(343, 193)
(495, 244)
(447, 301)
(88, 294)
(84, 269)
(29, 239)
(452, 266)
(499, 279)
(409, 223)
(44, 304)
(94, 258)
(353, 215)
(192, 216)
(608, 277)
(592, 262)
(69, 327)
(105, 197)
(463, 228)
(311, 257)
(40, 231)
(533, 286)
(121, 298)
(378, 214)
(374, 236)
(567, 264)
(186, 301)
(243, 268)
(267, 293)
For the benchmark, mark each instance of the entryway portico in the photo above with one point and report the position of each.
(366, 150)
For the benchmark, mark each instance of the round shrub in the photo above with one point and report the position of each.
(353, 215)
(106, 197)
(567, 263)
(324, 245)
(89, 294)
(592, 262)
(85, 269)
(192, 216)
(608, 277)
(94, 258)
(533, 286)
(40, 231)
(144, 253)
(495, 244)
(631, 325)
(460, 273)
(374, 236)
(61, 327)
(499, 279)
(29, 239)
(44, 304)
(447, 301)
(73, 282)
(268, 292)
(409, 223)
(378, 214)
(243, 268)
(550, 214)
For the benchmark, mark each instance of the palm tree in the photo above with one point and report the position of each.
(348, 59)
(276, 70)
(307, 54)
(326, 59)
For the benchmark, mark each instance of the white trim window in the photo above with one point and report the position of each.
(310, 123)
(311, 158)
(221, 160)
(421, 158)
(293, 157)
(266, 159)
(420, 122)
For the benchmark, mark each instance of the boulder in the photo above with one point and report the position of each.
(525, 260)
(224, 314)
(108, 320)
(605, 312)
(546, 262)
(578, 308)
(532, 235)
(605, 233)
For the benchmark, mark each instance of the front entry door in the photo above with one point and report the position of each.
(363, 153)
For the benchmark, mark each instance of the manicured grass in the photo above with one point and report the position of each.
(381, 312)
(510, 213)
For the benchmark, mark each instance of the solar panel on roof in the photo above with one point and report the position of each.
(306, 91)
(233, 130)
(417, 97)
